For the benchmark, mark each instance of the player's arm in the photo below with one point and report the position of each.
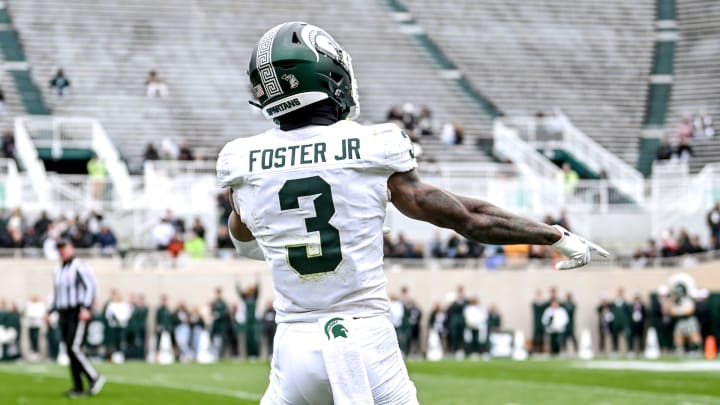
(241, 237)
(481, 221)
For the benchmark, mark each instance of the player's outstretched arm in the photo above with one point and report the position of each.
(481, 221)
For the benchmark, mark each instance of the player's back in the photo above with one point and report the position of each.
(314, 198)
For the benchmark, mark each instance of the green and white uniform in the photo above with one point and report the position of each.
(315, 198)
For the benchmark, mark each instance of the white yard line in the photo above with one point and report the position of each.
(659, 366)
(47, 372)
(568, 387)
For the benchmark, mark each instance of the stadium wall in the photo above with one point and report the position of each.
(511, 291)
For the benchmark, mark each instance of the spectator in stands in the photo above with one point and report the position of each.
(403, 248)
(106, 238)
(665, 150)
(198, 227)
(453, 246)
(60, 83)
(494, 257)
(684, 244)
(2, 103)
(195, 246)
(644, 257)
(30, 238)
(684, 151)
(570, 178)
(15, 226)
(453, 133)
(223, 238)
(98, 173)
(562, 220)
(685, 130)
(436, 246)
(696, 245)
(155, 87)
(163, 232)
(81, 236)
(185, 153)
(703, 126)
(668, 244)
(150, 153)
(388, 246)
(168, 149)
(408, 117)
(425, 122)
(713, 221)
(8, 144)
(395, 114)
(42, 224)
(176, 246)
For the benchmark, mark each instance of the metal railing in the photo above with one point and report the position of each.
(28, 157)
(557, 132)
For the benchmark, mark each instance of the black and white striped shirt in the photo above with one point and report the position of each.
(75, 286)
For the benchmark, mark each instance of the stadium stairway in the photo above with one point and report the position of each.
(591, 59)
(696, 87)
(201, 48)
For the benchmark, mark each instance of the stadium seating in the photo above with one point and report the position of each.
(695, 82)
(589, 58)
(201, 50)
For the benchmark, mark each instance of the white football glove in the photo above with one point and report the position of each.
(576, 249)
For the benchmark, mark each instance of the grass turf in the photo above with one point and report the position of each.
(450, 382)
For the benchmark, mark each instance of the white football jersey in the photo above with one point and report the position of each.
(314, 198)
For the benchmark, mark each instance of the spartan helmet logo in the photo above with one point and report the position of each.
(290, 78)
(334, 329)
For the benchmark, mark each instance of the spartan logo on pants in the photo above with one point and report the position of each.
(337, 329)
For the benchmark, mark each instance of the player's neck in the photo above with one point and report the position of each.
(316, 114)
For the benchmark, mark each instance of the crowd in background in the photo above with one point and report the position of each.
(171, 234)
(465, 324)
(679, 148)
(121, 326)
(89, 231)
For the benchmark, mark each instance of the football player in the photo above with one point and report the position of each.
(309, 198)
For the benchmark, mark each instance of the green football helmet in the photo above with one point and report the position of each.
(296, 64)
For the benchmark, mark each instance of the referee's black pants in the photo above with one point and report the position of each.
(73, 334)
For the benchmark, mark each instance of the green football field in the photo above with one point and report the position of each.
(449, 382)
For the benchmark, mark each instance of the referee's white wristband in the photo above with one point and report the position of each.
(248, 249)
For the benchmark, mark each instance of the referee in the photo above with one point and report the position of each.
(73, 295)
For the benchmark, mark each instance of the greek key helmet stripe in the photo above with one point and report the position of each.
(264, 63)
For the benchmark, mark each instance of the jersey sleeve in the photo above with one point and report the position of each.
(229, 163)
(398, 148)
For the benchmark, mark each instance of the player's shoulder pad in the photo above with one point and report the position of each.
(230, 163)
(398, 149)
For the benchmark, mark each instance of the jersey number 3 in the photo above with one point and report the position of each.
(330, 255)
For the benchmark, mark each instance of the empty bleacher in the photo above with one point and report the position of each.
(201, 49)
(696, 79)
(589, 58)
